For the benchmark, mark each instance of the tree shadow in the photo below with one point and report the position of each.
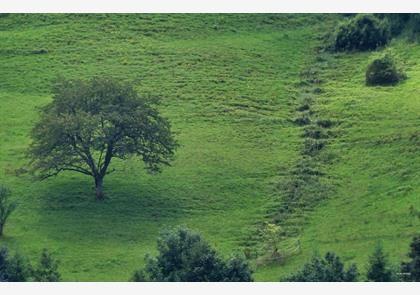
(68, 210)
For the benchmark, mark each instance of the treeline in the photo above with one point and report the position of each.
(331, 269)
(17, 268)
(184, 256)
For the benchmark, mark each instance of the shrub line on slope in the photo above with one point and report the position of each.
(308, 182)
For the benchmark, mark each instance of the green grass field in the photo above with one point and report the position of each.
(228, 84)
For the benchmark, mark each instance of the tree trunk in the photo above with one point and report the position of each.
(99, 188)
(1, 229)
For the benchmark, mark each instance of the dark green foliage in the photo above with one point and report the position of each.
(363, 32)
(89, 123)
(402, 23)
(324, 123)
(315, 132)
(383, 71)
(327, 269)
(47, 269)
(237, 270)
(139, 276)
(3, 264)
(303, 119)
(414, 26)
(13, 269)
(378, 269)
(411, 269)
(304, 107)
(396, 21)
(18, 269)
(6, 207)
(185, 257)
(313, 146)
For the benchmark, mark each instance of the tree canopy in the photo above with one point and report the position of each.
(378, 269)
(326, 269)
(88, 123)
(184, 256)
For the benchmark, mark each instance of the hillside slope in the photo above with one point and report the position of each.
(374, 163)
(230, 85)
(226, 83)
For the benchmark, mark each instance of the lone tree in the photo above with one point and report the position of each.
(88, 123)
(6, 207)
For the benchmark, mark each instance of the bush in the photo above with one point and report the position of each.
(237, 270)
(184, 256)
(383, 71)
(6, 207)
(47, 270)
(327, 269)
(363, 32)
(378, 269)
(13, 269)
(18, 269)
(412, 267)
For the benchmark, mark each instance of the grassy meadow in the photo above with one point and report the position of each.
(229, 85)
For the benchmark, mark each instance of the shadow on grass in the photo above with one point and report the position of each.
(68, 209)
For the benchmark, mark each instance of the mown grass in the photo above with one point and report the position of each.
(226, 84)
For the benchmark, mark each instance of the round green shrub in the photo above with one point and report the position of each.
(383, 71)
(363, 32)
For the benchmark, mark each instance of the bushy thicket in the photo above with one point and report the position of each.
(378, 268)
(383, 71)
(18, 269)
(396, 21)
(47, 269)
(363, 32)
(184, 256)
(327, 269)
(402, 22)
(411, 268)
(13, 268)
(414, 26)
